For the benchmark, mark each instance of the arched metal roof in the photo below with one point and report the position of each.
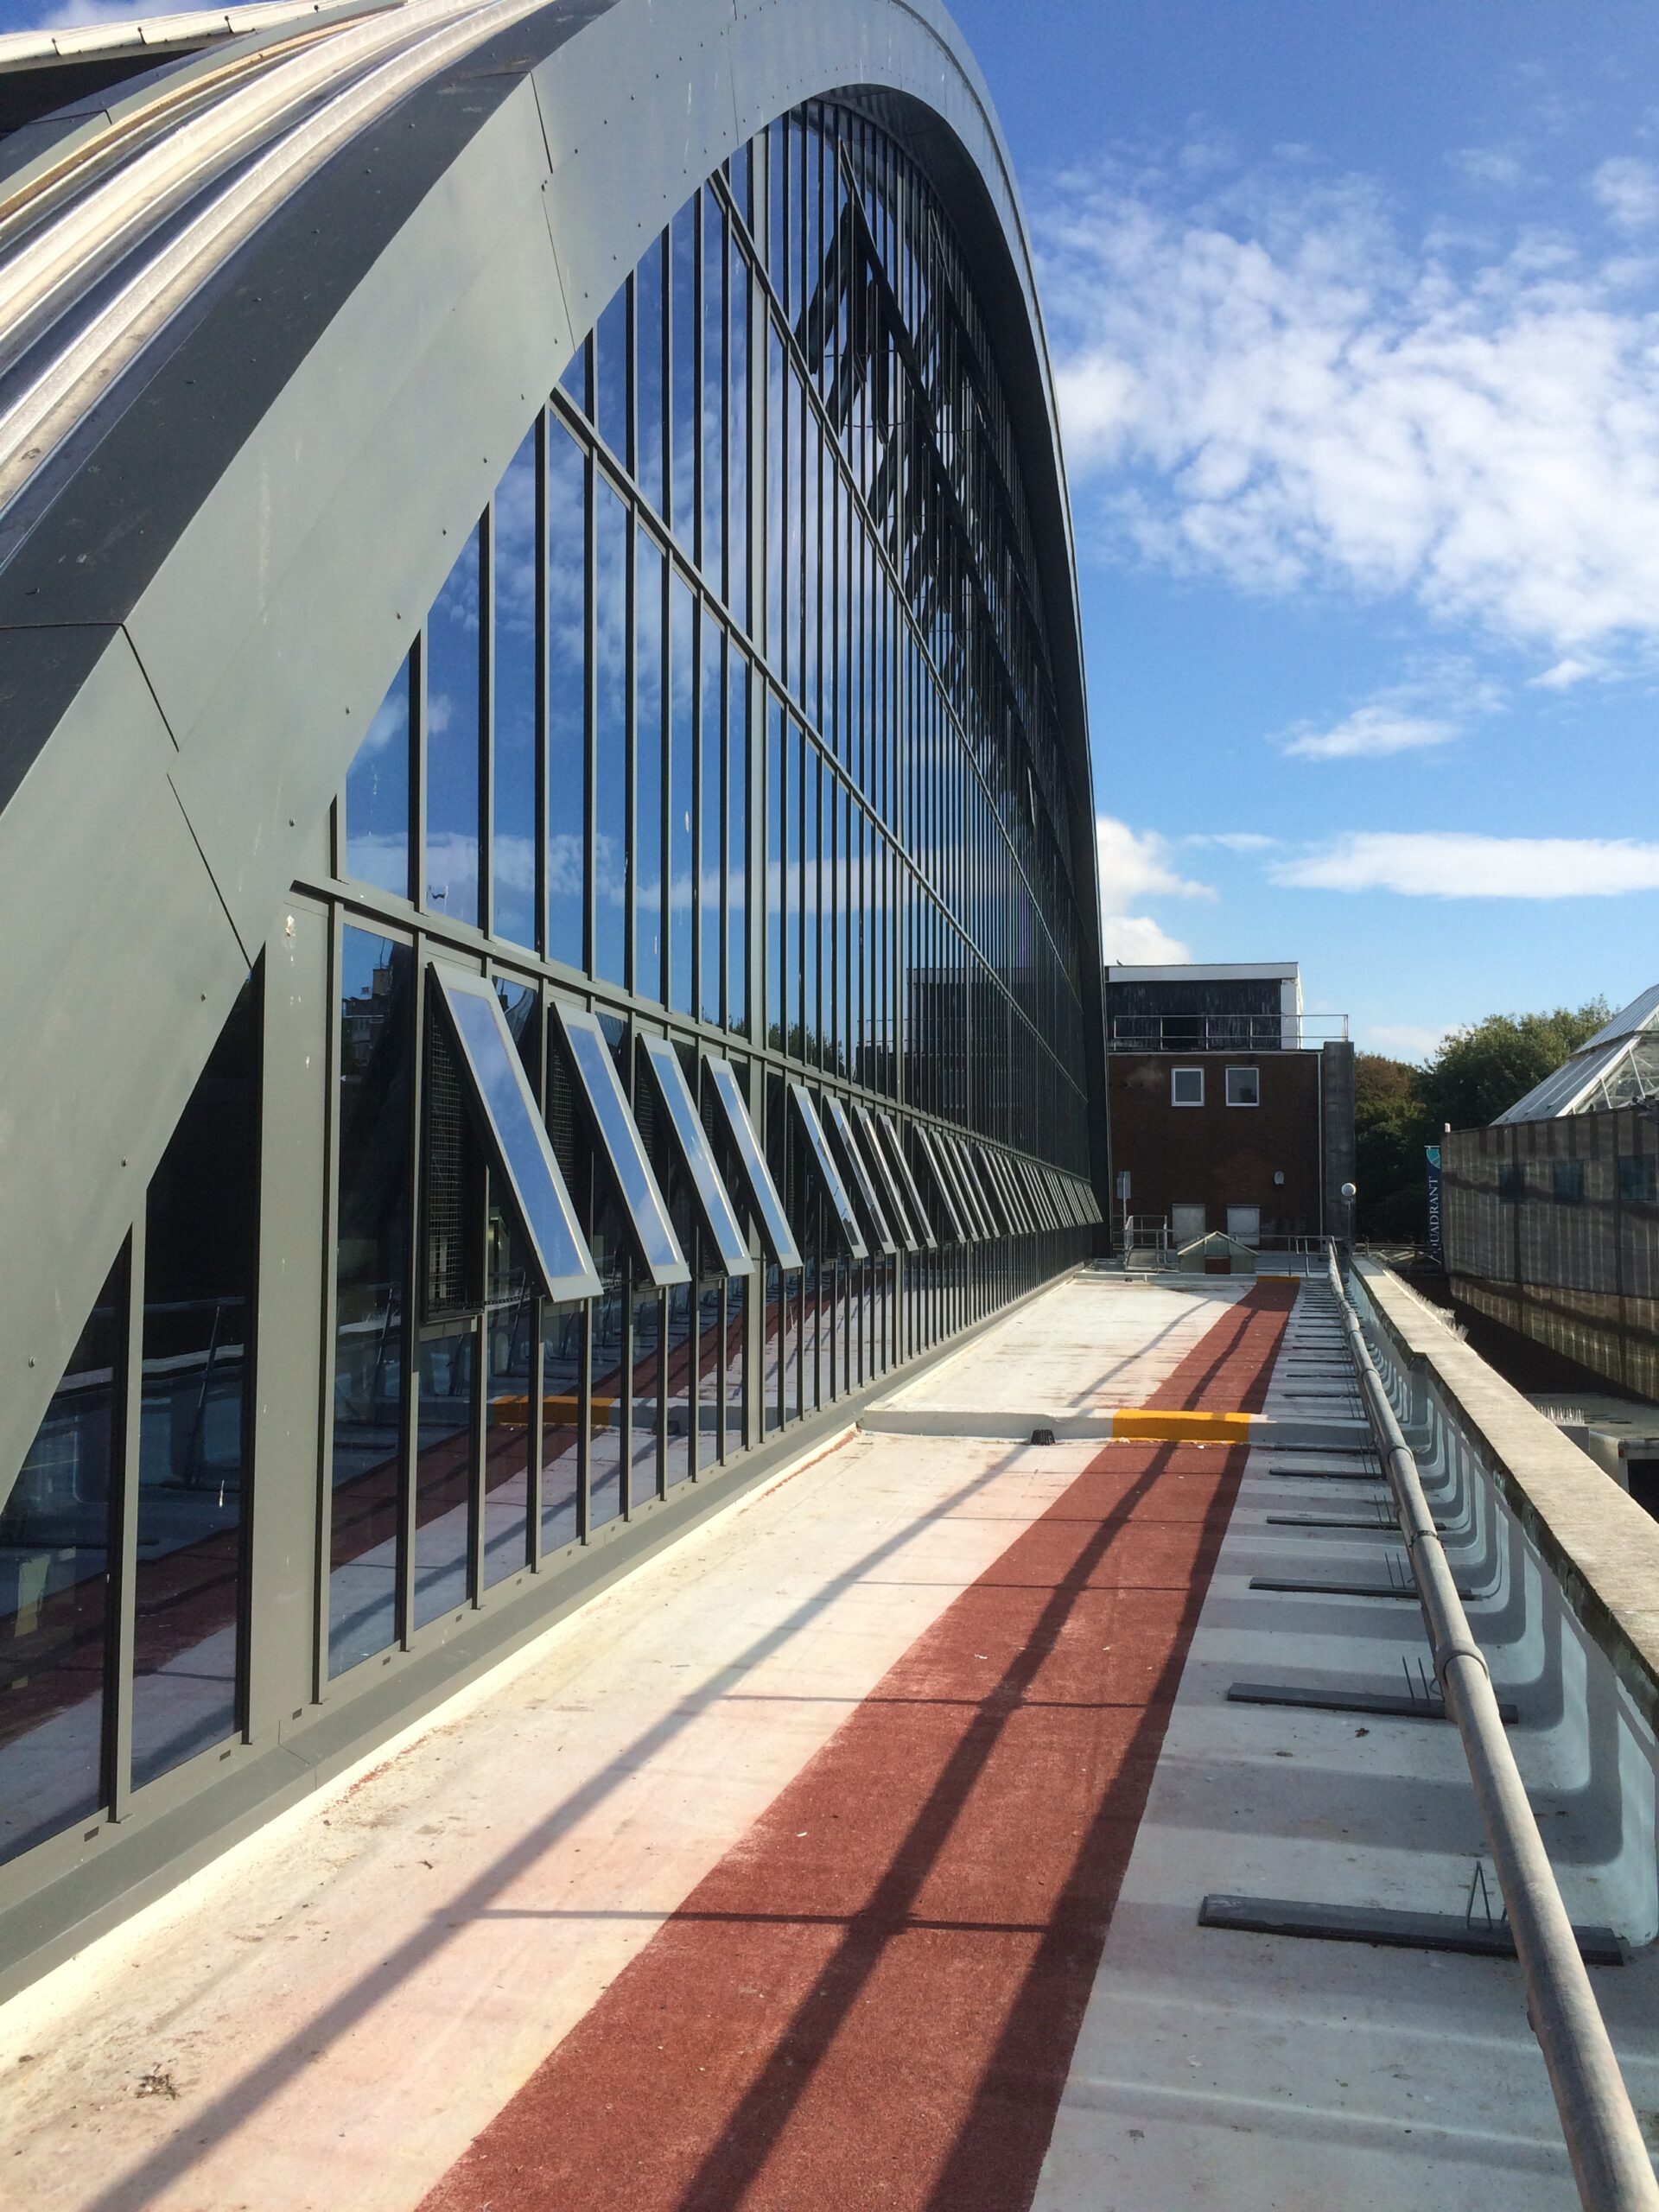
(210, 562)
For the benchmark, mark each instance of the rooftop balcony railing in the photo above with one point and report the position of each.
(1223, 1033)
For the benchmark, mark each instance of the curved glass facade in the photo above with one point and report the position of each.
(728, 755)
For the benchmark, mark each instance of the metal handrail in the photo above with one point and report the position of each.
(1604, 2141)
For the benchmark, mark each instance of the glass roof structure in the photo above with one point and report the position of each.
(1618, 1066)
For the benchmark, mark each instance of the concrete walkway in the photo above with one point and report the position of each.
(779, 1876)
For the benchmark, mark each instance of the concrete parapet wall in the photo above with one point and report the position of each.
(1566, 1568)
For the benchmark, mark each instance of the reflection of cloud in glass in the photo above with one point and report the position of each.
(392, 718)
(452, 874)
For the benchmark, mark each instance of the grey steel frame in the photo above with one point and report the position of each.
(181, 785)
(1604, 2139)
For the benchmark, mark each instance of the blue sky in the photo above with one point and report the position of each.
(1355, 308)
(1356, 313)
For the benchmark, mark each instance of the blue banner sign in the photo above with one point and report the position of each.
(1436, 1242)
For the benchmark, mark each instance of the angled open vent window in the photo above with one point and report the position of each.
(828, 1174)
(889, 1143)
(509, 1126)
(968, 1193)
(957, 1229)
(751, 1163)
(617, 1139)
(985, 1184)
(887, 1184)
(691, 1142)
(858, 1168)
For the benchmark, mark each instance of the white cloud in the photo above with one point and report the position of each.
(1628, 189)
(1370, 733)
(1232, 841)
(1136, 941)
(71, 15)
(1135, 865)
(1403, 1041)
(1446, 864)
(1268, 384)
(1487, 165)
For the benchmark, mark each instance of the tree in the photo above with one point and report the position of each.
(1479, 1072)
(1388, 1139)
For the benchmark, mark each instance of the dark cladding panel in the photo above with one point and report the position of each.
(617, 1137)
(828, 1174)
(511, 1125)
(692, 1144)
(775, 1231)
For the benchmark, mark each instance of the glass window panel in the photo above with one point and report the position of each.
(956, 1224)
(708, 869)
(692, 1146)
(201, 1219)
(605, 1359)
(821, 1161)
(453, 762)
(613, 375)
(648, 768)
(510, 1121)
(775, 550)
(812, 1012)
(574, 383)
(645, 1457)
(712, 388)
(377, 786)
(445, 1400)
(600, 1091)
(752, 1173)
(737, 841)
(377, 1037)
(887, 1182)
(567, 702)
(777, 947)
(562, 1370)
(55, 1593)
(737, 437)
(610, 734)
(679, 1373)
(682, 792)
(650, 338)
(906, 1178)
(858, 1171)
(685, 403)
(513, 583)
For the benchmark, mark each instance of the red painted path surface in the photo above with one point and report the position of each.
(872, 1999)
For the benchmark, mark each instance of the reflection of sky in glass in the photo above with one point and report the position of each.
(649, 336)
(752, 1164)
(610, 734)
(684, 400)
(716, 1207)
(682, 801)
(595, 1071)
(712, 403)
(648, 767)
(376, 796)
(737, 841)
(513, 560)
(451, 756)
(708, 864)
(567, 780)
(611, 375)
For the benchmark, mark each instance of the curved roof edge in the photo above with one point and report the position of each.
(182, 692)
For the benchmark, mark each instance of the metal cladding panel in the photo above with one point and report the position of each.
(775, 1231)
(616, 1134)
(509, 1122)
(957, 1231)
(827, 1173)
(858, 1168)
(899, 1166)
(692, 1144)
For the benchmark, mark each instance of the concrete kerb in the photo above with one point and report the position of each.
(1001, 1427)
